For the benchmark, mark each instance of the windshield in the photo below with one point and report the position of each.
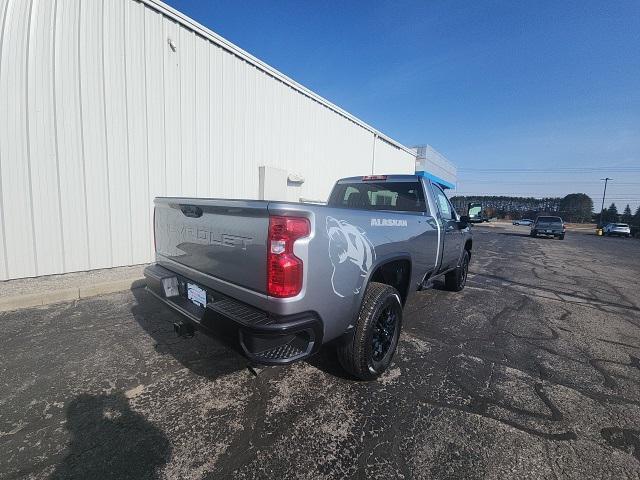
(394, 196)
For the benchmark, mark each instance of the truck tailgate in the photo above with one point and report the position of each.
(226, 239)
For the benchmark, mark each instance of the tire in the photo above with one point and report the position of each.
(369, 351)
(533, 233)
(561, 237)
(455, 280)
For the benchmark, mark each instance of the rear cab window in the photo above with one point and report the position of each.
(390, 196)
(549, 220)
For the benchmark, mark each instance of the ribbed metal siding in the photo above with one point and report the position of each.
(99, 114)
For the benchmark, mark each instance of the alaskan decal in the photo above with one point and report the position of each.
(351, 254)
(388, 222)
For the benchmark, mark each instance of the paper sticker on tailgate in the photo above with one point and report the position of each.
(197, 295)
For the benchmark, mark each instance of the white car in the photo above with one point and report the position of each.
(621, 229)
(524, 221)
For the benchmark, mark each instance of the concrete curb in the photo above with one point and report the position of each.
(17, 302)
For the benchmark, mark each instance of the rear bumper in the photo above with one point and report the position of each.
(548, 232)
(262, 337)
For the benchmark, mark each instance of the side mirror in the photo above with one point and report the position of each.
(464, 221)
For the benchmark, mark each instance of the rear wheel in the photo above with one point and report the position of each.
(369, 351)
(455, 280)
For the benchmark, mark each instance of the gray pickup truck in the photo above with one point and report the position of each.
(281, 279)
(548, 226)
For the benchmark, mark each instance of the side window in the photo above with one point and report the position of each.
(446, 210)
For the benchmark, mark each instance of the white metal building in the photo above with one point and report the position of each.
(105, 104)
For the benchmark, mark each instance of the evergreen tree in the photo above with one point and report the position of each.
(576, 207)
(626, 214)
(611, 214)
(636, 217)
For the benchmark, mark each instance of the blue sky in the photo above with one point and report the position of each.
(500, 85)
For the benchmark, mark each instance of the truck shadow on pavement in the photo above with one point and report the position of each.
(326, 360)
(208, 355)
(203, 354)
(518, 234)
(514, 234)
(110, 441)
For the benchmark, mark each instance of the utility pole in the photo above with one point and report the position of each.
(604, 194)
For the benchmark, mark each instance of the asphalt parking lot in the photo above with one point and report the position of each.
(532, 371)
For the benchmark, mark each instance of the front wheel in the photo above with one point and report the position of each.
(533, 233)
(455, 280)
(561, 237)
(368, 353)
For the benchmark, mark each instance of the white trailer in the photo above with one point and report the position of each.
(436, 167)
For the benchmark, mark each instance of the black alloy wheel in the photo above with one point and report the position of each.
(455, 280)
(383, 333)
(367, 351)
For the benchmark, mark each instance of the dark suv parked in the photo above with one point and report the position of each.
(548, 226)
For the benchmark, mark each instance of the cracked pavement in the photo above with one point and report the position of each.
(532, 371)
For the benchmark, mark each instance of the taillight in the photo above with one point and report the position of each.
(284, 269)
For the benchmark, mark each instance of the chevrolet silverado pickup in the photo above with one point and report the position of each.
(281, 279)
